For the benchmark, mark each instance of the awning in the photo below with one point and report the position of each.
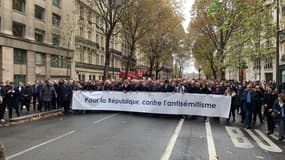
(130, 75)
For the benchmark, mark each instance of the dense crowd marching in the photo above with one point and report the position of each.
(250, 100)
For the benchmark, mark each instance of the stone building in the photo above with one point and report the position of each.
(31, 46)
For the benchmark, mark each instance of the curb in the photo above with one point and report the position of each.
(33, 117)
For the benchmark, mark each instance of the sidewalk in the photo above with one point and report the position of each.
(29, 116)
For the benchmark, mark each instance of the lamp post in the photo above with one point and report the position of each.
(200, 68)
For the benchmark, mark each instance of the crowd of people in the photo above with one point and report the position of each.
(250, 100)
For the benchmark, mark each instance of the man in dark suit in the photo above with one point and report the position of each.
(249, 96)
(269, 99)
(166, 87)
(66, 91)
(36, 95)
(20, 89)
(12, 95)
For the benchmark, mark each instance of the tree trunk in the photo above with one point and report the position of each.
(151, 64)
(107, 57)
(132, 51)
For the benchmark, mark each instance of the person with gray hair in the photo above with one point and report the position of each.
(47, 93)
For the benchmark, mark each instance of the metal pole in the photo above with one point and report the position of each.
(277, 42)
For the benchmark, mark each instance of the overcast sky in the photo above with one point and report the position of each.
(189, 67)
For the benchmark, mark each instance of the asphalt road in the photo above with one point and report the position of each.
(125, 136)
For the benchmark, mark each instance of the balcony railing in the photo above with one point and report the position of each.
(94, 66)
(119, 53)
(86, 42)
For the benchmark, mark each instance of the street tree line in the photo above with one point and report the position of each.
(151, 27)
(224, 33)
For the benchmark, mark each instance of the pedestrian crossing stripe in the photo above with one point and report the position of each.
(240, 141)
(238, 138)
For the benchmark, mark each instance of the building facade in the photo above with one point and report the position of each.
(88, 43)
(263, 69)
(31, 47)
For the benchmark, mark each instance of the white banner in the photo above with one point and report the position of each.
(153, 102)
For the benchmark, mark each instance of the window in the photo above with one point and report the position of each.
(19, 77)
(19, 5)
(56, 3)
(97, 59)
(56, 40)
(90, 77)
(20, 56)
(81, 16)
(56, 19)
(89, 35)
(18, 29)
(102, 42)
(54, 61)
(81, 55)
(81, 32)
(79, 77)
(40, 59)
(268, 64)
(39, 35)
(97, 20)
(58, 61)
(39, 12)
(83, 77)
(102, 60)
(90, 57)
(97, 38)
(257, 64)
(89, 17)
(94, 77)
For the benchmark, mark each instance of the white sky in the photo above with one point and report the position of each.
(187, 5)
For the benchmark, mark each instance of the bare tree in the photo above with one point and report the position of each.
(110, 11)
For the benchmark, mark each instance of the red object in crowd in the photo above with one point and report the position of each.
(130, 75)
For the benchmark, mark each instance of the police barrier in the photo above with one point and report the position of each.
(153, 102)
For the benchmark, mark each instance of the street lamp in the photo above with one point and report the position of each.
(200, 68)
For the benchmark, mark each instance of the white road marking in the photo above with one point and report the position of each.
(39, 145)
(271, 147)
(238, 138)
(274, 136)
(210, 141)
(171, 144)
(105, 118)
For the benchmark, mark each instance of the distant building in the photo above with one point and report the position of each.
(88, 43)
(31, 47)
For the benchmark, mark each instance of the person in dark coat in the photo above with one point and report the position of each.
(258, 101)
(166, 87)
(126, 87)
(268, 101)
(36, 95)
(233, 93)
(2, 102)
(279, 109)
(12, 95)
(27, 94)
(47, 93)
(20, 89)
(66, 92)
(59, 93)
